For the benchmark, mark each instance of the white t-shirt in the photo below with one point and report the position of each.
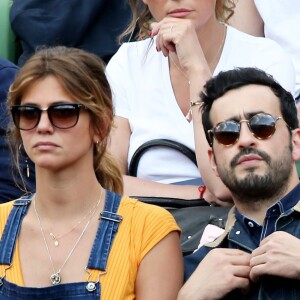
(143, 94)
(282, 24)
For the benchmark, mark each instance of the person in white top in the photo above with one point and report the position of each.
(279, 22)
(154, 80)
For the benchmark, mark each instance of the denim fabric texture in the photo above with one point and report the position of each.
(108, 227)
(239, 235)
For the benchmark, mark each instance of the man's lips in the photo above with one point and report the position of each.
(249, 158)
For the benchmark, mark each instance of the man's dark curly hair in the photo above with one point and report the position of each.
(226, 81)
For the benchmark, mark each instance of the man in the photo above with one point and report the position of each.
(10, 188)
(252, 127)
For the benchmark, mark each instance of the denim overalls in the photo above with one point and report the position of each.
(89, 290)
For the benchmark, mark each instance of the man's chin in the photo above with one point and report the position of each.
(244, 173)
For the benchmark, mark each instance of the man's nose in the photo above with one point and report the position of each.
(246, 138)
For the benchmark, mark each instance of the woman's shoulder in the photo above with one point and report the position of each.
(146, 213)
(138, 51)
(5, 209)
(134, 203)
(246, 40)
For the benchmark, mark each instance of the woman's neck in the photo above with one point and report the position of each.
(212, 39)
(61, 194)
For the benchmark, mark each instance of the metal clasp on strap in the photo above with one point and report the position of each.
(22, 202)
(105, 215)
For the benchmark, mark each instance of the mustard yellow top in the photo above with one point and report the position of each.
(142, 227)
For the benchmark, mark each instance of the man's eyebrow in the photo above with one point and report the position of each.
(247, 116)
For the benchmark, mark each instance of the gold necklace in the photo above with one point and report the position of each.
(55, 238)
(55, 278)
(179, 69)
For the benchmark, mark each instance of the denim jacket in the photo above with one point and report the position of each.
(236, 236)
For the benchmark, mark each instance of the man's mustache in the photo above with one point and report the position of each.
(247, 151)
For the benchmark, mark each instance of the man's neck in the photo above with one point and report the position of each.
(257, 207)
(255, 211)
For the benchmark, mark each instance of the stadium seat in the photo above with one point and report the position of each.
(7, 37)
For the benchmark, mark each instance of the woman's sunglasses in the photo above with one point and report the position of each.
(63, 116)
(261, 125)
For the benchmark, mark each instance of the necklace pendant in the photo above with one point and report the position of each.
(54, 239)
(55, 278)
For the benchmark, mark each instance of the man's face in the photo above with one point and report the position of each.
(252, 167)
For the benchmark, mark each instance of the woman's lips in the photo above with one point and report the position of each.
(179, 13)
(45, 145)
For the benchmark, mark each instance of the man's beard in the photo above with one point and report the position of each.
(255, 187)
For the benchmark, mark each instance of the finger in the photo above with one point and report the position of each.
(154, 28)
(256, 272)
(241, 283)
(229, 251)
(240, 260)
(258, 260)
(242, 271)
(258, 251)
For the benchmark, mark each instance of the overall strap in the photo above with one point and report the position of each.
(107, 229)
(12, 229)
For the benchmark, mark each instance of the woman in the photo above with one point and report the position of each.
(62, 110)
(154, 81)
(279, 23)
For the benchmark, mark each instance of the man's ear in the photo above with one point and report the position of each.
(213, 161)
(296, 144)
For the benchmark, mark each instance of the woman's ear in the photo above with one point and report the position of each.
(296, 144)
(213, 161)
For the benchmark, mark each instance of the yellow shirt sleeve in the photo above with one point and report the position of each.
(143, 226)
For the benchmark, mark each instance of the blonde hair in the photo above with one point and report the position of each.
(83, 77)
(142, 18)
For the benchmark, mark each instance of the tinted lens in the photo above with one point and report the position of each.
(262, 126)
(227, 133)
(25, 117)
(64, 115)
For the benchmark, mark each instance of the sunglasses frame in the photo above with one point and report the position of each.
(212, 137)
(14, 110)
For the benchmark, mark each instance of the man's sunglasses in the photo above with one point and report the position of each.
(261, 125)
(63, 116)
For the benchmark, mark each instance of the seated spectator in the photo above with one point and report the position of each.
(77, 237)
(156, 83)
(11, 187)
(92, 25)
(251, 124)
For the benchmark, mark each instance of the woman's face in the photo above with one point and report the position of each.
(199, 11)
(50, 147)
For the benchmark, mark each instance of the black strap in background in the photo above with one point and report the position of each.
(133, 166)
(171, 203)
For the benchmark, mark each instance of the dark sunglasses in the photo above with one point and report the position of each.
(261, 125)
(63, 116)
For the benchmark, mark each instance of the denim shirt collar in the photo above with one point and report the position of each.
(290, 202)
(280, 207)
